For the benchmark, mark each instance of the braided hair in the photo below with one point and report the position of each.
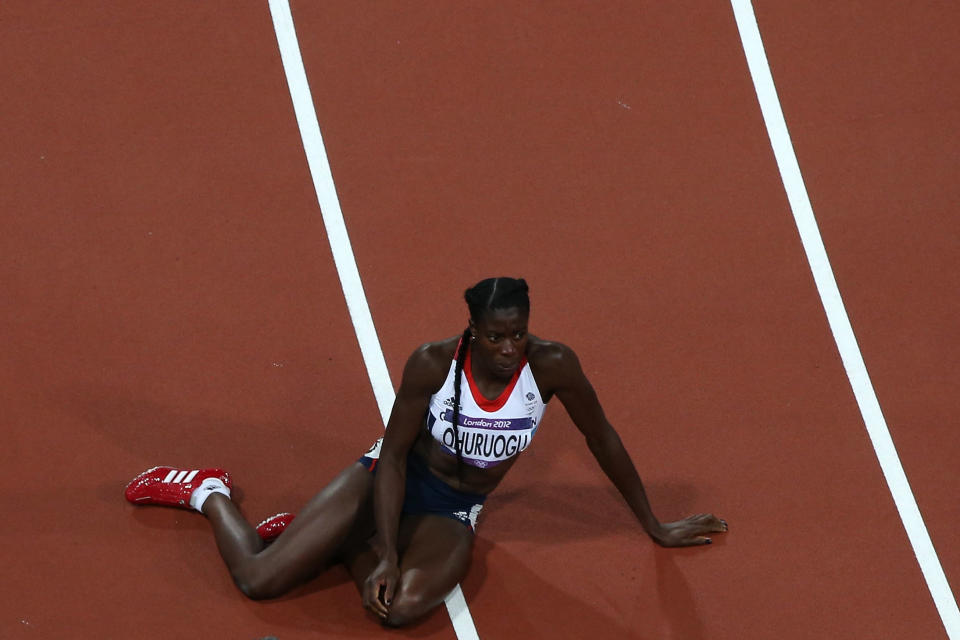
(486, 295)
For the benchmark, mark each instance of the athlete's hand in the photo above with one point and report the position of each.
(689, 531)
(379, 588)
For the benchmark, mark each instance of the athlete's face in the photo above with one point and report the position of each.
(500, 340)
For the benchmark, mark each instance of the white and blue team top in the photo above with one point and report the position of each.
(491, 431)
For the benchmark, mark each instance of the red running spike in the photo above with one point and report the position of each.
(273, 526)
(170, 486)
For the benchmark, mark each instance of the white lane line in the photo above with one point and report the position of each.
(330, 206)
(343, 252)
(839, 321)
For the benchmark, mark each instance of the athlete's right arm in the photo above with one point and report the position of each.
(423, 375)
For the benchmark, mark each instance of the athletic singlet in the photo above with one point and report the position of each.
(491, 431)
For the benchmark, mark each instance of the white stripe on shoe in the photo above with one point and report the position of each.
(176, 476)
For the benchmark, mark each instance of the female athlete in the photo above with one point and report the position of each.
(402, 518)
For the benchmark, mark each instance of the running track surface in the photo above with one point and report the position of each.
(168, 297)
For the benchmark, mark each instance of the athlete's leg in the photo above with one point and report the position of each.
(434, 553)
(309, 543)
(435, 560)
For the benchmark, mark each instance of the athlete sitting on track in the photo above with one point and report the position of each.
(402, 518)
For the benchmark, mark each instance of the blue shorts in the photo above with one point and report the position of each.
(428, 494)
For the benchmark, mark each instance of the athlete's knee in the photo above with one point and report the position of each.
(255, 583)
(407, 608)
(254, 588)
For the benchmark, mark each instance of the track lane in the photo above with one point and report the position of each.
(704, 297)
(875, 134)
(425, 190)
(168, 297)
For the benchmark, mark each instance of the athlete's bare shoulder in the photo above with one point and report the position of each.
(545, 354)
(554, 364)
(428, 365)
(441, 352)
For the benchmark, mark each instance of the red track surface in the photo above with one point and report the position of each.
(168, 296)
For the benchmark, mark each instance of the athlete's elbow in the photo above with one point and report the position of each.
(604, 444)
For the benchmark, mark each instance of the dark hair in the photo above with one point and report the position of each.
(486, 295)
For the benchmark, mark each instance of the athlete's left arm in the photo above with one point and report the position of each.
(571, 385)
